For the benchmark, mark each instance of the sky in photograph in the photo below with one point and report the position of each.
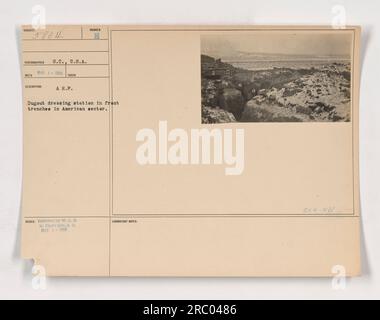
(326, 43)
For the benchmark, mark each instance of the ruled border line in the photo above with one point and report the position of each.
(352, 61)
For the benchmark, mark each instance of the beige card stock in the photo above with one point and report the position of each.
(191, 151)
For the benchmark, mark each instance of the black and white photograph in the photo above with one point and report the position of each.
(276, 76)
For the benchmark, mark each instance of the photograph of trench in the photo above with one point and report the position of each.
(273, 76)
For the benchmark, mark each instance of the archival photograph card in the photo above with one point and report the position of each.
(191, 150)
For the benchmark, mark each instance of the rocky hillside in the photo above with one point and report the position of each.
(275, 95)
